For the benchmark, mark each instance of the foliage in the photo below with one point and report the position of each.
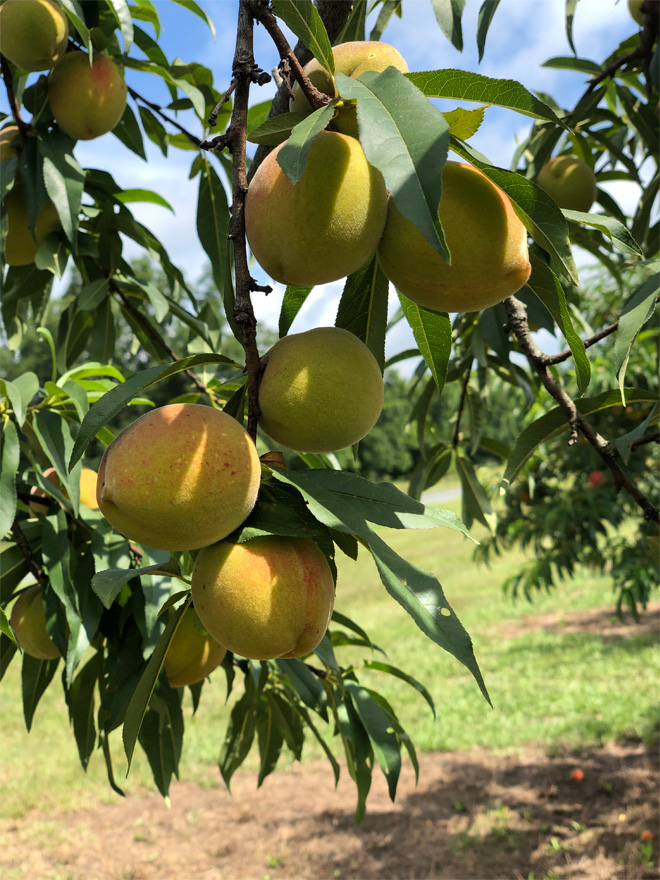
(105, 596)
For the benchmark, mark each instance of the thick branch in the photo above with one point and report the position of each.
(517, 314)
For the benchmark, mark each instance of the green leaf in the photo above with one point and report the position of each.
(108, 584)
(213, 221)
(302, 17)
(19, 393)
(122, 13)
(113, 401)
(276, 130)
(354, 29)
(404, 676)
(129, 133)
(464, 123)
(462, 85)
(143, 195)
(36, 675)
(384, 741)
(610, 226)
(387, 10)
(239, 734)
(636, 312)
(363, 307)
(76, 16)
(293, 300)
(570, 62)
(139, 702)
(304, 682)
(448, 14)
(406, 138)
(54, 434)
(432, 332)
(144, 10)
(270, 739)
(93, 294)
(545, 284)
(292, 158)
(6, 630)
(161, 737)
(80, 700)
(197, 10)
(154, 129)
(64, 180)
(486, 14)
(570, 14)
(475, 501)
(554, 422)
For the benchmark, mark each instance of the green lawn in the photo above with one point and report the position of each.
(548, 687)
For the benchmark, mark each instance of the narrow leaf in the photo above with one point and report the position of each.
(276, 130)
(634, 315)
(292, 158)
(432, 332)
(8, 469)
(378, 725)
(363, 307)
(36, 675)
(486, 14)
(213, 222)
(108, 584)
(293, 300)
(448, 14)
(306, 23)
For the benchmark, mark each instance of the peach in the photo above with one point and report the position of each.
(488, 244)
(33, 33)
(324, 227)
(270, 597)
(193, 653)
(87, 100)
(9, 141)
(179, 478)
(569, 181)
(321, 390)
(21, 244)
(28, 620)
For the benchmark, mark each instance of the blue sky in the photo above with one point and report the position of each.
(524, 34)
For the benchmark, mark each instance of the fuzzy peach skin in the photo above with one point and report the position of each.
(570, 182)
(179, 478)
(28, 620)
(9, 142)
(270, 597)
(488, 244)
(321, 390)
(351, 59)
(87, 100)
(21, 245)
(324, 227)
(193, 653)
(33, 33)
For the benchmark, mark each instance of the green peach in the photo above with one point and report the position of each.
(193, 653)
(87, 100)
(28, 620)
(21, 245)
(352, 59)
(487, 241)
(179, 478)
(270, 597)
(570, 182)
(324, 227)
(33, 33)
(9, 142)
(321, 390)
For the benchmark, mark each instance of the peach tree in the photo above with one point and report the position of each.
(111, 605)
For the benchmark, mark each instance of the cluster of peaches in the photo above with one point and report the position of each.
(87, 98)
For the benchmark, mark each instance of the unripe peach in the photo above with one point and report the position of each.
(193, 653)
(33, 33)
(28, 620)
(352, 59)
(179, 478)
(488, 244)
(321, 390)
(20, 244)
(87, 100)
(569, 181)
(270, 597)
(88, 480)
(9, 141)
(324, 227)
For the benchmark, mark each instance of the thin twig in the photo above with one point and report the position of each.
(517, 314)
(650, 438)
(32, 564)
(23, 127)
(461, 405)
(157, 109)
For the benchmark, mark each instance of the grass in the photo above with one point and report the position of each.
(548, 687)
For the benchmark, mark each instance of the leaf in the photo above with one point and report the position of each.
(570, 14)
(554, 422)
(213, 222)
(486, 13)
(541, 216)
(20, 392)
(615, 230)
(64, 180)
(363, 307)
(92, 295)
(306, 23)
(545, 284)
(108, 584)
(406, 138)
(475, 501)
(36, 675)
(239, 734)
(293, 300)
(76, 16)
(122, 13)
(129, 133)
(161, 737)
(387, 10)
(462, 85)
(276, 130)
(404, 676)
(384, 741)
(306, 685)
(270, 744)
(197, 10)
(358, 751)
(448, 14)
(139, 702)
(292, 158)
(433, 335)
(54, 435)
(464, 123)
(80, 700)
(416, 590)
(636, 312)
(143, 195)
(107, 407)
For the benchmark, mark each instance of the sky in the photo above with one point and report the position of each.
(522, 36)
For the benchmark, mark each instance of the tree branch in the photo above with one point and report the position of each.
(517, 314)
(461, 406)
(650, 438)
(157, 109)
(32, 564)
(23, 127)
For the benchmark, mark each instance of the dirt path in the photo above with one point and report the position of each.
(474, 815)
